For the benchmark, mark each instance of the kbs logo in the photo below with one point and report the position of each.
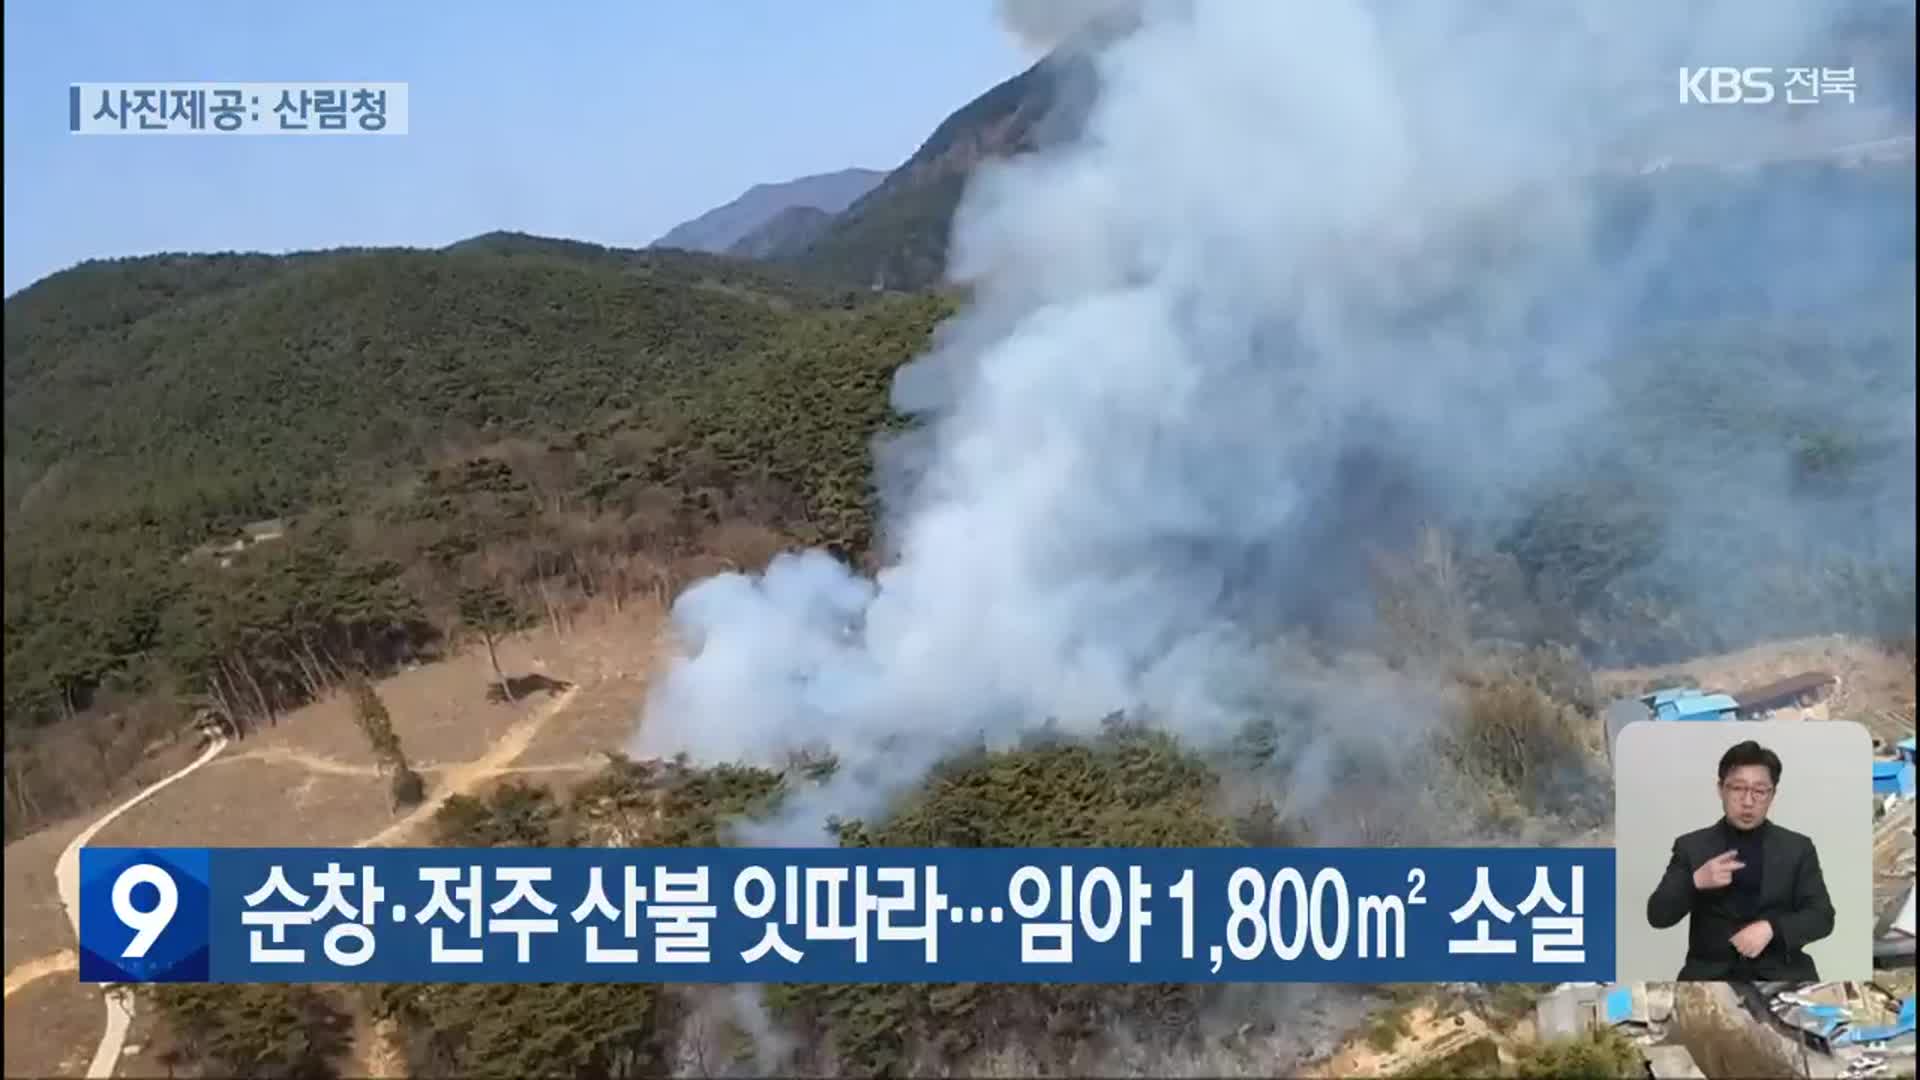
(1726, 86)
(1756, 85)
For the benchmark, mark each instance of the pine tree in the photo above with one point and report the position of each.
(489, 612)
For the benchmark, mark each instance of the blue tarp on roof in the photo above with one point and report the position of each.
(1902, 1025)
(1619, 1004)
(1698, 707)
(1887, 777)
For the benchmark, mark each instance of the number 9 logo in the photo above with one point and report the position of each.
(147, 925)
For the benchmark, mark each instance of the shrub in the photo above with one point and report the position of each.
(1603, 1054)
(1511, 734)
(1479, 1058)
(1558, 672)
(516, 814)
(1509, 1003)
(1388, 1029)
(408, 789)
(666, 804)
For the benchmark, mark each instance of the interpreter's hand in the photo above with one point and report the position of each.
(1753, 939)
(1717, 872)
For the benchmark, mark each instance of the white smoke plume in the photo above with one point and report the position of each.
(1045, 26)
(1309, 273)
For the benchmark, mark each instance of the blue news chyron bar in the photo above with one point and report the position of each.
(718, 915)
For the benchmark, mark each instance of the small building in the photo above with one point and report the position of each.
(1573, 1008)
(1905, 751)
(1569, 1011)
(1803, 690)
(1676, 703)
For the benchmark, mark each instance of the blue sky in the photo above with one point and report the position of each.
(605, 121)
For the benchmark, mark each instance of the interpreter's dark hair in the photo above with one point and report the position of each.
(1749, 753)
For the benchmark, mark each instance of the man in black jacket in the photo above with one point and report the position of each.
(1753, 888)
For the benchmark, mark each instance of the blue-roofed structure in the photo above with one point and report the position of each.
(1697, 706)
(1576, 1007)
(1893, 777)
(1905, 749)
(1673, 703)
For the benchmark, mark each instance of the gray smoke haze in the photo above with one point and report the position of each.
(1311, 275)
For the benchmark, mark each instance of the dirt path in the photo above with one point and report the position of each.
(282, 755)
(463, 778)
(603, 654)
(379, 1054)
(40, 967)
(459, 779)
(66, 872)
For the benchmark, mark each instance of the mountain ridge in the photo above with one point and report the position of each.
(788, 232)
(896, 235)
(726, 225)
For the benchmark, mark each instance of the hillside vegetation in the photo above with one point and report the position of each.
(235, 480)
(555, 419)
(1128, 786)
(563, 421)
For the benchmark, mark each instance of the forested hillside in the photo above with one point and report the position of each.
(545, 418)
(553, 420)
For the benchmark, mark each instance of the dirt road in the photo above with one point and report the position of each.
(66, 872)
(40, 968)
(465, 746)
